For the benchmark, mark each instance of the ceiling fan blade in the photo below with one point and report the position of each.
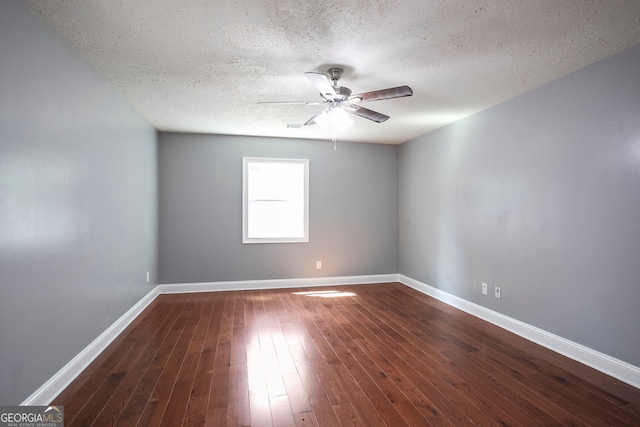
(367, 114)
(376, 95)
(312, 120)
(291, 103)
(322, 84)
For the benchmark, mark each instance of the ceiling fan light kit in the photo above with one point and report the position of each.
(336, 118)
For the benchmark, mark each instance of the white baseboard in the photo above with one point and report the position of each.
(616, 368)
(56, 384)
(623, 371)
(245, 285)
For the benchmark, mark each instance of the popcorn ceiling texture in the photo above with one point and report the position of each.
(201, 66)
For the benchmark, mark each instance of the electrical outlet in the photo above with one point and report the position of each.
(147, 277)
(498, 292)
(318, 265)
(485, 289)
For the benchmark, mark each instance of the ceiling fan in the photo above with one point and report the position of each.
(340, 98)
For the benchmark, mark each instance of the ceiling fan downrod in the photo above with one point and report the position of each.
(334, 74)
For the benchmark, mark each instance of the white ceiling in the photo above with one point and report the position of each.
(202, 65)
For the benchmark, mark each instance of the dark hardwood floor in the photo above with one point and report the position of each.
(370, 355)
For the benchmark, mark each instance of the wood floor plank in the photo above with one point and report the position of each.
(347, 416)
(260, 409)
(331, 387)
(281, 413)
(358, 397)
(132, 412)
(310, 381)
(298, 399)
(217, 417)
(305, 419)
(219, 396)
(323, 411)
(367, 355)
(239, 410)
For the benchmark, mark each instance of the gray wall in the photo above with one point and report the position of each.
(78, 196)
(353, 210)
(539, 195)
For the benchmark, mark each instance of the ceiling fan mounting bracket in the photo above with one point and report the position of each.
(334, 74)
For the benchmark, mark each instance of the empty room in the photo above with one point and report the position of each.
(374, 213)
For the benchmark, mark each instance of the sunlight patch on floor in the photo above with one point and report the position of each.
(326, 294)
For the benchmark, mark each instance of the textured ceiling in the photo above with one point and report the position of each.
(202, 66)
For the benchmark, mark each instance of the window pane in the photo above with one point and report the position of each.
(276, 181)
(275, 219)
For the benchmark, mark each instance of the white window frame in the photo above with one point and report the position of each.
(245, 202)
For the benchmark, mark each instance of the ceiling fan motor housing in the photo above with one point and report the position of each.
(342, 92)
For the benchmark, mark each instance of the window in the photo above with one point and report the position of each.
(275, 200)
